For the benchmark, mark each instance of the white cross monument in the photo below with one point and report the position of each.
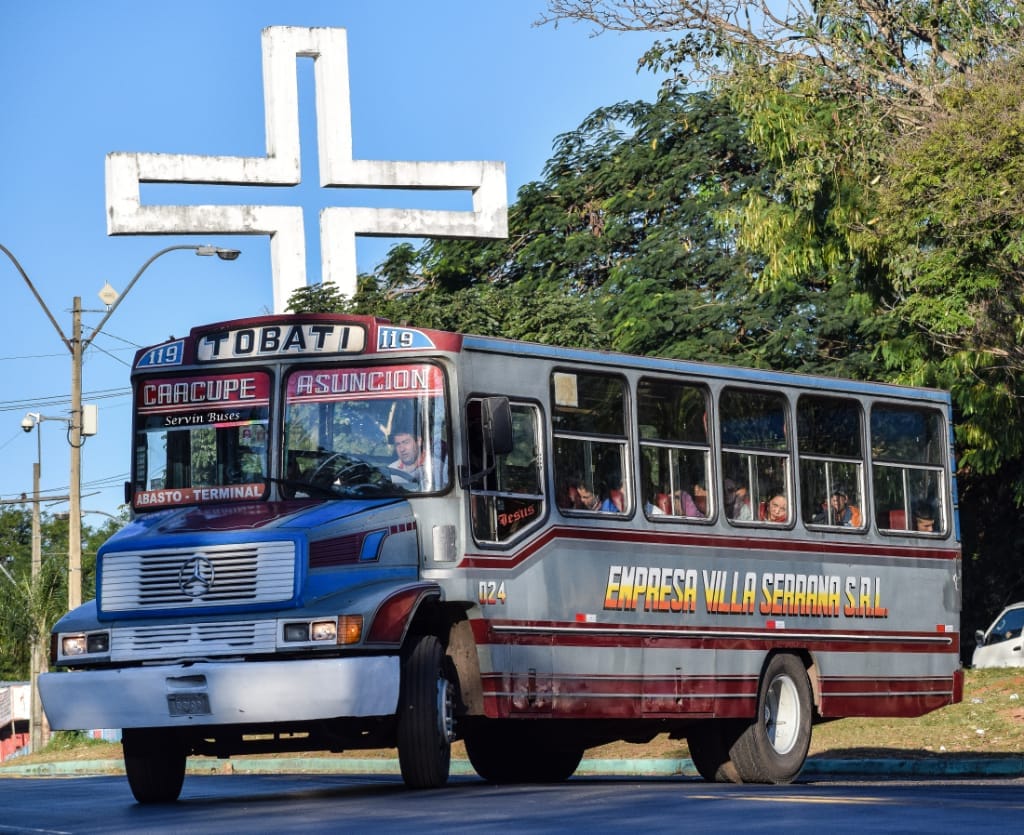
(339, 226)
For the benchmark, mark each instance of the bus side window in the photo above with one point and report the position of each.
(755, 455)
(509, 499)
(675, 453)
(908, 454)
(588, 413)
(830, 446)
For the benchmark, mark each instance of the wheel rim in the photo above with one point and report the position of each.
(782, 714)
(445, 710)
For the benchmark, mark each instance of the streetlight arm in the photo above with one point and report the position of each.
(88, 340)
(42, 304)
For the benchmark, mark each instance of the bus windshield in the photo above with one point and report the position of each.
(365, 431)
(201, 439)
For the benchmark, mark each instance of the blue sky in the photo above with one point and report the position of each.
(447, 80)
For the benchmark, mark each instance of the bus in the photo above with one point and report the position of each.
(350, 534)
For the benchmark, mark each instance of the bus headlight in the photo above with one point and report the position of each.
(93, 643)
(345, 629)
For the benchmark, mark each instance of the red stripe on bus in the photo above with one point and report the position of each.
(569, 634)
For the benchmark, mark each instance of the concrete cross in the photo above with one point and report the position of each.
(339, 226)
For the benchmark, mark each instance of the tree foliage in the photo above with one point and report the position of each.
(950, 226)
(893, 131)
(903, 52)
(621, 246)
(30, 606)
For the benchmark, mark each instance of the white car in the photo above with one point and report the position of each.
(1002, 644)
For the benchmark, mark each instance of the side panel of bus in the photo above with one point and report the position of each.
(626, 616)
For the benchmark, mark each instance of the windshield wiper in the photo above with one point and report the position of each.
(294, 486)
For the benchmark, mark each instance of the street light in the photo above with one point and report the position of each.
(77, 345)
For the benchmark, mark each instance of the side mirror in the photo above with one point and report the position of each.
(497, 419)
(979, 638)
(489, 436)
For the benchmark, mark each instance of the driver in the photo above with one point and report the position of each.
(411, 459)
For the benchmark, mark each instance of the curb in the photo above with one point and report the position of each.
(928, 767)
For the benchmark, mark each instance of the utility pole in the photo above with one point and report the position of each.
(38, 659)
(75, 440)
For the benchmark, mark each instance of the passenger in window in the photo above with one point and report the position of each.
(684, 505)
(844, 513)
(924, 520)
(658, 504)
(737, 500)
(777, 509)
(612, 492)
(587, 498)
(700, 498)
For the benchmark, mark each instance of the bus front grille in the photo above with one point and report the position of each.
(187, 578)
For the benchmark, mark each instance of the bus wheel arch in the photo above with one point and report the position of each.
(773, 747)
(450, 623)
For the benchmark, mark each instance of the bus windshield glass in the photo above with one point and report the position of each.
(200, 439)
(365, 431)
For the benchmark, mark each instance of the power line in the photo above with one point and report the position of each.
(60, 399)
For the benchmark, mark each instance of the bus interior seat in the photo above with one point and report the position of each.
(897, 520)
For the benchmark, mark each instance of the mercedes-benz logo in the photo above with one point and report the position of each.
(196, 576)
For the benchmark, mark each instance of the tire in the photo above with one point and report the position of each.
(426, 715)
(710, 743)
(154, 761)
(774, 748)
(514, 752)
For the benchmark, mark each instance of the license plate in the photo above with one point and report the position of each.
(188, 704)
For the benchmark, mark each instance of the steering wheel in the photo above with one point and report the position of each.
(349, 472)
(394, 471)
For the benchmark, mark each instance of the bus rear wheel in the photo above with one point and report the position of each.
(774, 748)
(154, 761)
(426, 715)
(513, 752)
(710, 742)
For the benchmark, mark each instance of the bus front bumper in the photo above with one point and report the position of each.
(221, 693)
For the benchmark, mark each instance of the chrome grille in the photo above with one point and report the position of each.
(190, 640)
(261, 572)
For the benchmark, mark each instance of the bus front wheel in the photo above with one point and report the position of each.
(154, 761)
(427, 715)
(773, 749)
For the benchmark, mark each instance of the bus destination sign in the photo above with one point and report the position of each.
(277, 340)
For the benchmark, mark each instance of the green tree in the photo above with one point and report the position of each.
(30, 607)
(618, 247)
(837, 95)
(951, 230)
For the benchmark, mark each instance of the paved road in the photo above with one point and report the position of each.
(312, 803)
